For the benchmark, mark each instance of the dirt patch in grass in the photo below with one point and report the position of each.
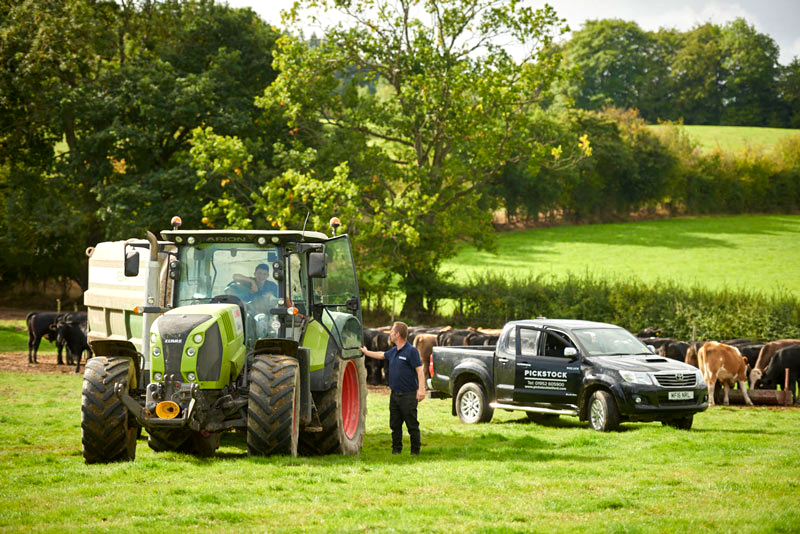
(18, 362)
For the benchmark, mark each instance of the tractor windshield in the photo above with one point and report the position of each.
(242, 271)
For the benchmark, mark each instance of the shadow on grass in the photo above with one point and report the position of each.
(482, 446)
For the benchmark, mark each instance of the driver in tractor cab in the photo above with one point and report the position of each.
(259, 283)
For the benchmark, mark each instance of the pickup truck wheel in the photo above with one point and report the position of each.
(472, 405)
(681, 423)
(603, 413)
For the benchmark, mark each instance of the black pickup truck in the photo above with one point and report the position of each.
(551, 367)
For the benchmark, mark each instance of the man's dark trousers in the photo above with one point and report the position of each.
(403, 409)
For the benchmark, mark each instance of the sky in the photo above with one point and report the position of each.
(780, 19)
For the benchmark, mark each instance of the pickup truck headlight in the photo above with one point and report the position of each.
(636, 378)
(700, 380)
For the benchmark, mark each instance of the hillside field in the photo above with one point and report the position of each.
(507, 476)
(734, 138)
(749, 253)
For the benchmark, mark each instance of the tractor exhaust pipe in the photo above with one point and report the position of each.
(151, 308)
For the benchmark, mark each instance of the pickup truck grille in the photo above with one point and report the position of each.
(676, 380)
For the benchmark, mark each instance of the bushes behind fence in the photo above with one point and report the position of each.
(490, 301)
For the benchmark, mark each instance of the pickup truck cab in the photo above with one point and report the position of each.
(599, 372)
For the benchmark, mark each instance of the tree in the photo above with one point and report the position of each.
(97, 103)
(699, 76)
(750, 61)
(789, 93)
(400, 118)
(612, 57)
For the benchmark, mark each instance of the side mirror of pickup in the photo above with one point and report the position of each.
(571, 352)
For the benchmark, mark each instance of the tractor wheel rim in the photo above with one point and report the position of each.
(470, 405)
(351, 400)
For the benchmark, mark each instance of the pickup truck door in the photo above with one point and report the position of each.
(548, 376)
(520, 340)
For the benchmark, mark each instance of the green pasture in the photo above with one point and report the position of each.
(505, 476)
(734, 138)
(748, 253)
(14, 338)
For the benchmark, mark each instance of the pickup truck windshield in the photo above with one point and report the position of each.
(610, 342)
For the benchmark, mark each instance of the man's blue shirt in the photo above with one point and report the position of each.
(403, 365)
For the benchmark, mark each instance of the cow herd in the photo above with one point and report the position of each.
(735, 362)
(68, 330)
(423, 339)
(729, 363)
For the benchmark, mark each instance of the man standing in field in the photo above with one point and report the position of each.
(407, 383)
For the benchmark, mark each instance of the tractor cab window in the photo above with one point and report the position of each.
(242, 272)
(337, 296)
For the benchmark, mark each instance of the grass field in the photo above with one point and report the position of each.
(751, 253)
(735, 138)
(737, 469)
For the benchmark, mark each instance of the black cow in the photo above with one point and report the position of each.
(649, 332)
(74, 317)
(775, 374)
(72, 332)
(42, 325)
(656, 342)
(377, 341)
(675, 350)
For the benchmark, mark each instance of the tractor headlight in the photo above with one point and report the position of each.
(191, 377)
(156, 351)
(636, 378)
(198, 338)
(153, 338)
(157, 377)
(191, 351)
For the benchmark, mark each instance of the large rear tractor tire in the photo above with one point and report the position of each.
(106, 430)
(273, 409)
(342, 411)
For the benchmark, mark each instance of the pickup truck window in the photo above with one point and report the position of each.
(554, 346)
(528, 341)
(610, 342)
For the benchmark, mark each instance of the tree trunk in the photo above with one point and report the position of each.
(414, 305)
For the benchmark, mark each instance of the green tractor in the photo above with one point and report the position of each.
(210, 349)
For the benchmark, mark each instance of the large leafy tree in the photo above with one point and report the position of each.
(789, 92)
(613, 59)
(97, 102)
(700, 76)
(750, 60)
(400, 118)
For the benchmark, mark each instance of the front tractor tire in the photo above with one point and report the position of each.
(107, 434)
(342, 412)
(273, 409)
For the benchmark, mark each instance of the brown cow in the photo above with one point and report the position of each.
(724, 363)
(766, 354)
(424, 343)
(691, 353)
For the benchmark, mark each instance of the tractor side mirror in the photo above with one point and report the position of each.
(132, 264)
(317, 265)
